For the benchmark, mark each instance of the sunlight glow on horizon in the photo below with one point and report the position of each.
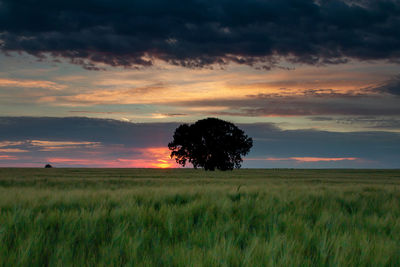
(152, 157)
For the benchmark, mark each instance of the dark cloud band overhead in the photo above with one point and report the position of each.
(196, 33)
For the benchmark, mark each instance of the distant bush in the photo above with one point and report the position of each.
(48, 166)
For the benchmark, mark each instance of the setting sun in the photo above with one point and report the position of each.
(163, 164)
(159, 157)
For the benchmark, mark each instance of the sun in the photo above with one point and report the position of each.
(162, 164)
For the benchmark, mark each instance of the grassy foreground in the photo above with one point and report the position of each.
(145, 217)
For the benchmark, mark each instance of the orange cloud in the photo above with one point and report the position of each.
(10, 143)
(31, 84)
(61, 145)
(7, 157)
(12, 150)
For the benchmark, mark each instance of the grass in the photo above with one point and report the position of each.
(183, 217)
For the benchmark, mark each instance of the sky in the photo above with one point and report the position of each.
(316, 84)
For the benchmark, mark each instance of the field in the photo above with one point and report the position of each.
(184, 217)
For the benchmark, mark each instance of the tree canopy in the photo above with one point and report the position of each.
(210, 144)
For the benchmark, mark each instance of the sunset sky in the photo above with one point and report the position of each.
(105, 83)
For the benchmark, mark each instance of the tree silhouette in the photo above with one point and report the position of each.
(48, 166)
(211, 144)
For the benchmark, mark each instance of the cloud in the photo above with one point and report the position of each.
(371, 122)
(310, 159)
(31, 84)
(391, 87)
(12, 150)
(280, 106)
(322, 118)
(75, 130)
(45, 145)
(167, 115)
(8, 143)
(96, 112)
(200, 33)
(110, 143)
(107, 96)
(7, 157)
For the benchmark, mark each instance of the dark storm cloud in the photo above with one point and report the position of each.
(373, 149)
(196, 33)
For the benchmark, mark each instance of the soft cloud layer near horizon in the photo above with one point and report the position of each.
(88, 142)
(322, 76)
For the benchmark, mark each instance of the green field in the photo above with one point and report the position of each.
(184, 217)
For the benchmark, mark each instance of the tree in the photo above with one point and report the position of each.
(48, 166)
(211, 144)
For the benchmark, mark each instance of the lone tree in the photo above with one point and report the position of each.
(48, 166)
(211, 144)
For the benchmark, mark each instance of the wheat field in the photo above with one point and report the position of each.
(185, 217)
